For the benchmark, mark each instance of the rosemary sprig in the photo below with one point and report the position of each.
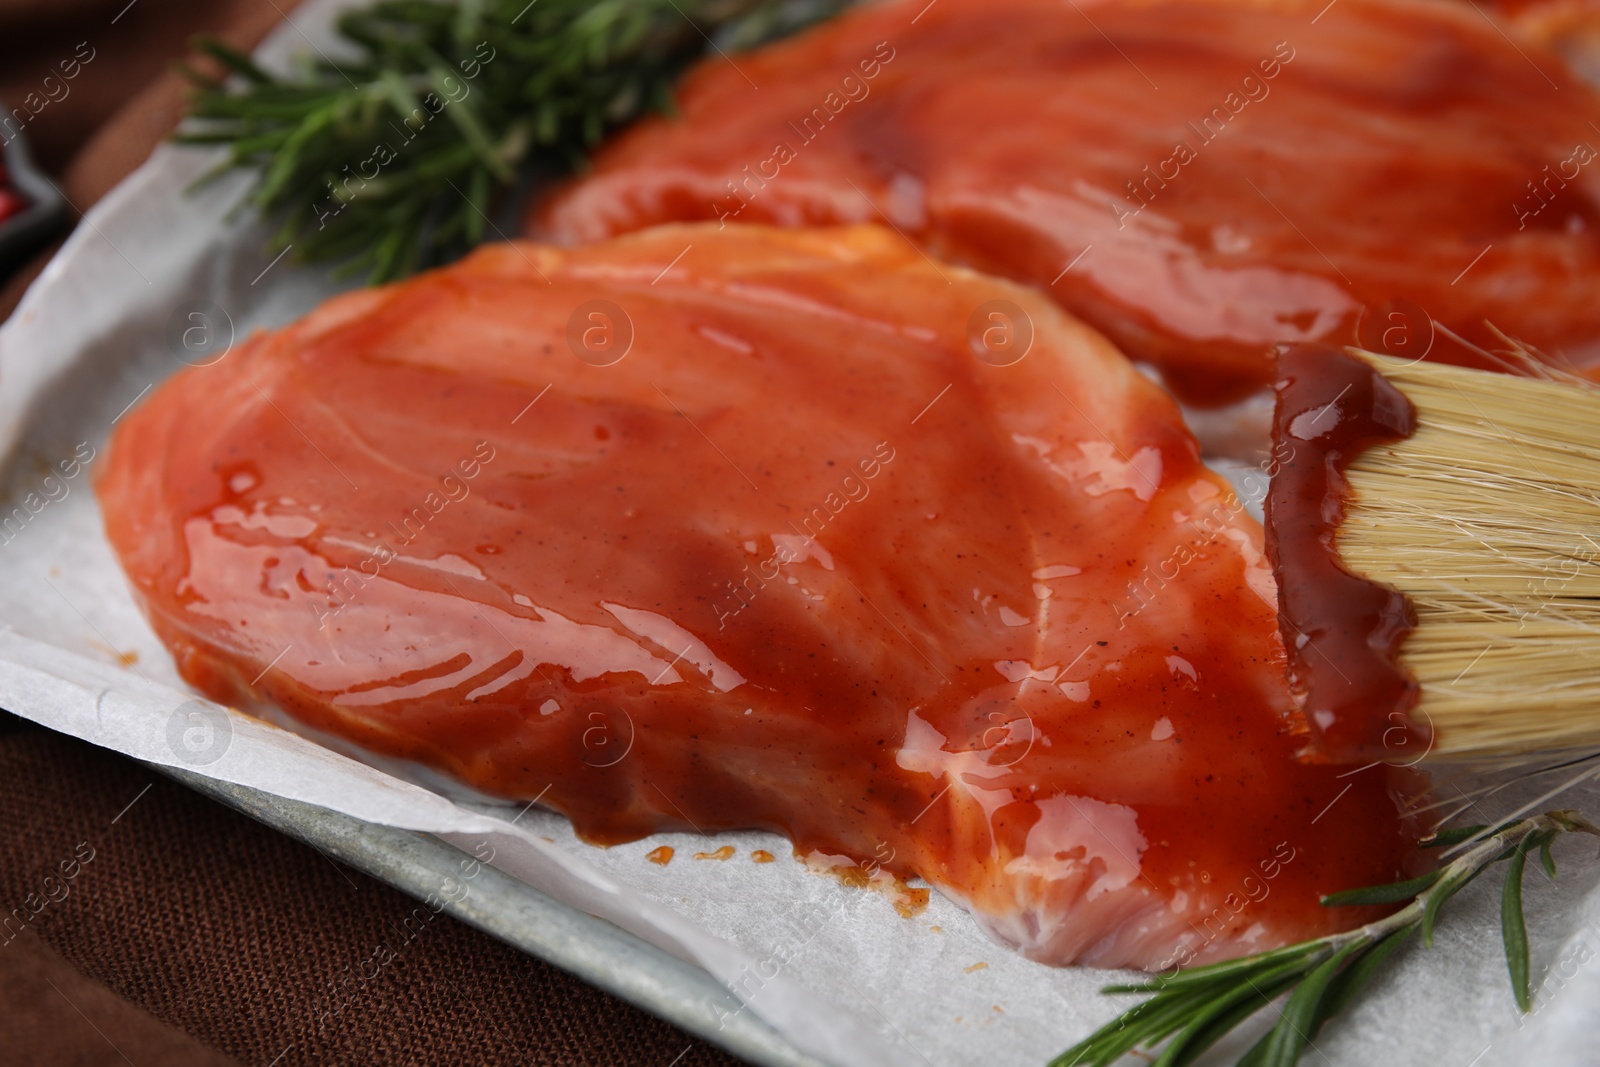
(390, 160)
(1193, 1009)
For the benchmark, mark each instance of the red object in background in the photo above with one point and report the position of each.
(11, 201)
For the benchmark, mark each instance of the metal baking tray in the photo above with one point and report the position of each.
(24, 234)
(595, 950)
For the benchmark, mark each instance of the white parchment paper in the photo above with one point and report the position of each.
(835, 969)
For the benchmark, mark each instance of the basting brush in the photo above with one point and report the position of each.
(1435, 534)
(1435, 531)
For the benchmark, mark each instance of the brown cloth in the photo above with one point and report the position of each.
(255, 944)
(141, 923)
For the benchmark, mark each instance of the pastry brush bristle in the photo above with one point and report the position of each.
(1488, 518)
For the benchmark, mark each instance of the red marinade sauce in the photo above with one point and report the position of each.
(1342, 632)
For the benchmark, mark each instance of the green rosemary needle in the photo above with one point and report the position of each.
(1192, 1009)
(391, 160)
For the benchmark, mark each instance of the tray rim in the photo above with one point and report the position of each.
(509, 910)
(28, 231)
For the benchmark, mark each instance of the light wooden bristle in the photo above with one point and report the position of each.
(1488, 517)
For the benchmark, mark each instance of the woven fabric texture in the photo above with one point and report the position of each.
(266, 949)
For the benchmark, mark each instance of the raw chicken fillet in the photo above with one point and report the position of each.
(1201, 180)
(711, 529)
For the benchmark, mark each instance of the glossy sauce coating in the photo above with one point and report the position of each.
(1343, 632)
(1200, 180)
(809, 557)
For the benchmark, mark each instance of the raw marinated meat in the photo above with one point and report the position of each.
(1200, 180)
(799, 530)
(1570, 27)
